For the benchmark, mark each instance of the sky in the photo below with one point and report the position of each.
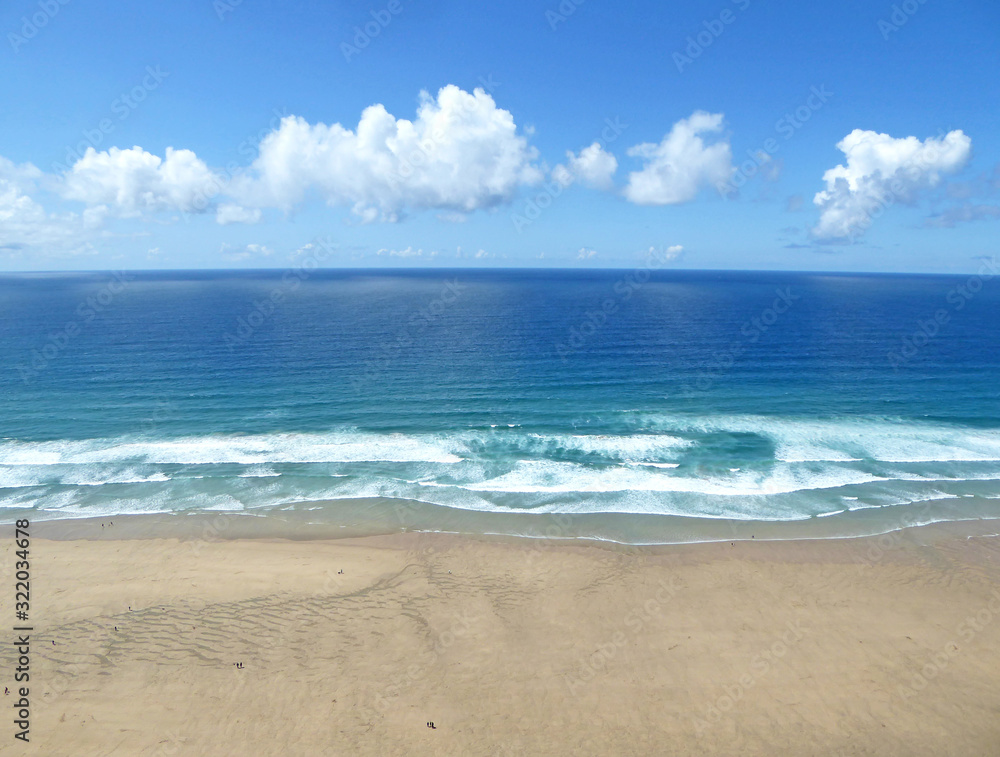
(725, 134)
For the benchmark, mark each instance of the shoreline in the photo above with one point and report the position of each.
(876, 645)
(380, 517)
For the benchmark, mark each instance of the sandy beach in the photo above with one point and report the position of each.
(877, 646)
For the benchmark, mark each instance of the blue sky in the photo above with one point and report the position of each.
(200, 134)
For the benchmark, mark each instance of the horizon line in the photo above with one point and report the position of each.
(485, 269)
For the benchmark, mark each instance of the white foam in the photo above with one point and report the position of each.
(226, 504)
(341, 447)
(832, 512)
(848, 439)
(98, 481)
(630, 447)
(24, 476)
(259, 471)
(625, 473)
(560, 477)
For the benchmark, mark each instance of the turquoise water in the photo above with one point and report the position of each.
(633, 401)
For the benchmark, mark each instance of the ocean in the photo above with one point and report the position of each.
(639, 406)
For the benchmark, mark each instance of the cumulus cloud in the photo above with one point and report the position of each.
(25, 226)
(461, 153)
(681, 165)
(592, 167)
(15, 183)
(880, 171)
(132, 181)
(23, 175)
(585, 254)
(20, 216)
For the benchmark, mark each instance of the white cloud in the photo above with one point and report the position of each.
(660, 255)
(585, 254)
(321, 249)
(680, 166)
(20, 216)
(409, 252)
(882, 170)
(15, 204)
(25, 226)
(239, 254)
(132, 181)
(23, 175)
(461, 153)
(229, 212)
(18, 212)
(593, 167)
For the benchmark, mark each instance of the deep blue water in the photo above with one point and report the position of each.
(763, 396)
